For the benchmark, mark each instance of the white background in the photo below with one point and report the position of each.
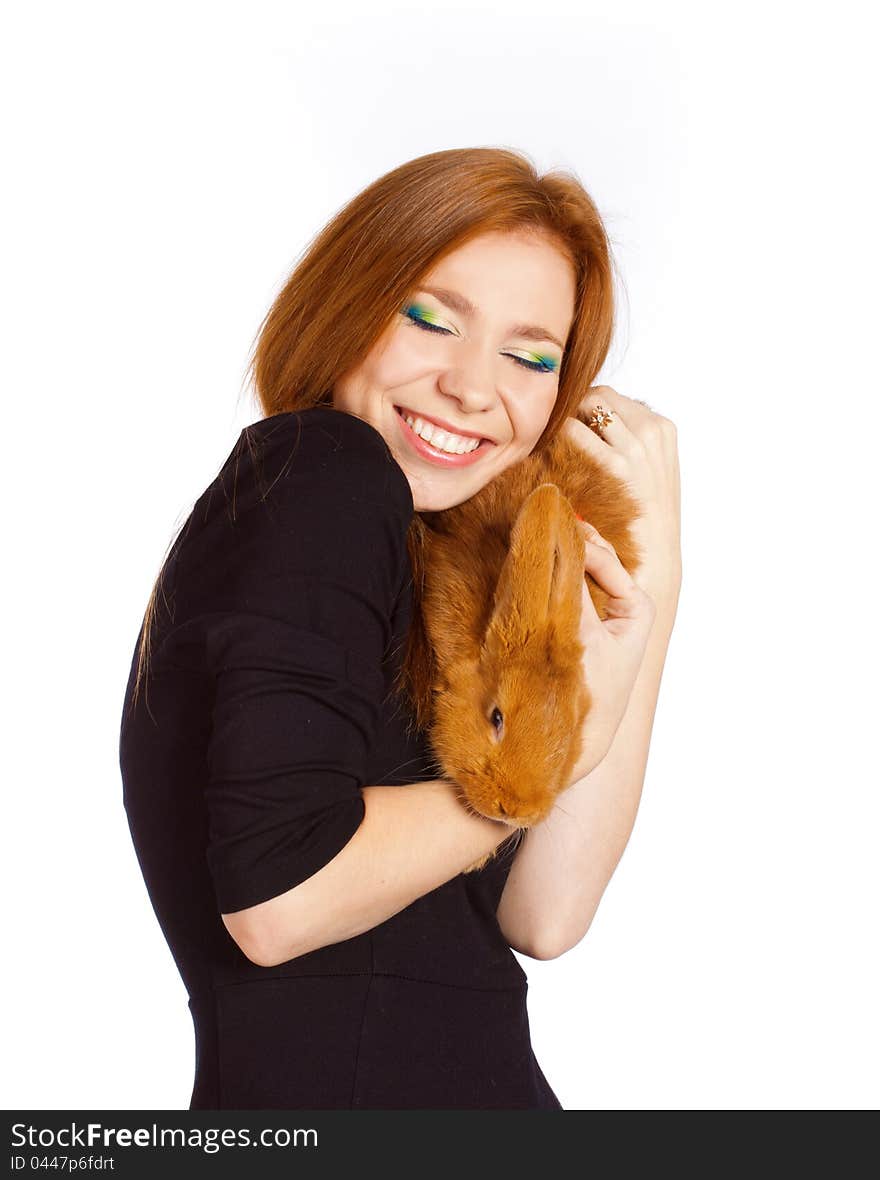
(165, 166)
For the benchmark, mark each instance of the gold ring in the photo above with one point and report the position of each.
(601, 418)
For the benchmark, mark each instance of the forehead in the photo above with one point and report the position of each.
(510, 275)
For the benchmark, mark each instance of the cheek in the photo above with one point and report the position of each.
(402, 360)
(531, 417)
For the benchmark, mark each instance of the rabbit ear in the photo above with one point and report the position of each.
(542, 576)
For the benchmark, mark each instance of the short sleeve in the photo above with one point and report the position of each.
(297, 585)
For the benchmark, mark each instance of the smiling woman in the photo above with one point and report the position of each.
(454, 366)
(441, 327)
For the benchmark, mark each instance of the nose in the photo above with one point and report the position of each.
(471, 382)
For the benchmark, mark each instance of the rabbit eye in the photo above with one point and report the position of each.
(497, 719)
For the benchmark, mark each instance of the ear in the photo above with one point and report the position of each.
(566, 598)
(540, 572)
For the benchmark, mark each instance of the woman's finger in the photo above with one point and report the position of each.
(627, 606)
(592, 534)
(614, 442)
(585, 437)
(621, 431)
(589, 615)
(604, 566)
(628, 409)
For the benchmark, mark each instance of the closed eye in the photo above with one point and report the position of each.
(415, 317)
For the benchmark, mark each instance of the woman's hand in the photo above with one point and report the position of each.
(613, 647)
(641, 447)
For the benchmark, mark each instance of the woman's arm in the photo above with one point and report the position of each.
(298, 591)
(411, 840)
(561, 869)
(563, 865)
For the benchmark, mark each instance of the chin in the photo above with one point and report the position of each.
(435, 499)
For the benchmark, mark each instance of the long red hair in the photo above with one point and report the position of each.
(353, 278)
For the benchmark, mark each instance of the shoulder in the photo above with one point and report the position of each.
(308, 506)
(313, 486)
(336, 452)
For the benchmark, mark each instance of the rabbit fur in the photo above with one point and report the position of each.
(500, 610)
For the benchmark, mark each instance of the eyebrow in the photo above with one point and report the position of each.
(458, 303)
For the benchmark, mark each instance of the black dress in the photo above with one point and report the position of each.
(283, 613)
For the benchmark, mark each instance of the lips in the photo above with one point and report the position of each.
(433, 454)
(447, 426)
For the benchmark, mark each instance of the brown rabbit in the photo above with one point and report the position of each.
(502, 689)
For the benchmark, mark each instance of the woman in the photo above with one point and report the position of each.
(335, 953)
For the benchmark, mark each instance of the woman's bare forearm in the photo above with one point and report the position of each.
(411, 840)
(564, 864)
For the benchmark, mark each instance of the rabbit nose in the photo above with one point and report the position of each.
(500, 807)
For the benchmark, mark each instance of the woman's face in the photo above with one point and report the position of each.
(475, 351)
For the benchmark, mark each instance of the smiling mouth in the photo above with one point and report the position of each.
(409, 417)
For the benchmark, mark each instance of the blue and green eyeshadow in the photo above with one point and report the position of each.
(429, 321)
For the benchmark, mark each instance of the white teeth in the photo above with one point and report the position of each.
(455, 444)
